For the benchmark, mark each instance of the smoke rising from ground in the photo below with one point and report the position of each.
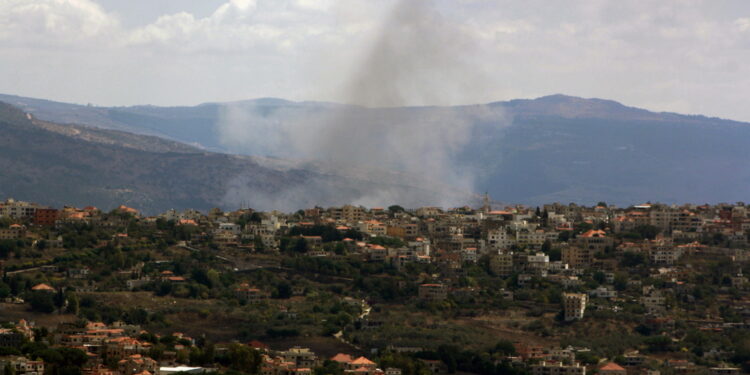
(397, 154)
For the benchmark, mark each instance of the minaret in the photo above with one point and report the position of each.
(486, 208)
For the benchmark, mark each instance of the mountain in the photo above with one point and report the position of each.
(554, 148)
(58, 165)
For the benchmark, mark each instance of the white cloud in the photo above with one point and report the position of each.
(53, 22)
(656, 55)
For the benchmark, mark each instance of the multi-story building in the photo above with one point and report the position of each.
(18, 209)
(23, 365)
(500, 239)
(538, 263)
(301, 357)
(13, 232)
(574, 305)
(248, 294)
(502, 264)
(137, 364)
(594, 241)
(557, 368)
(46, 216)
(577, 257)
(348, 213)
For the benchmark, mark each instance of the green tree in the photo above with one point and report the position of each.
(73, 304)
(42, 301)
(9, 370)
(244, 358)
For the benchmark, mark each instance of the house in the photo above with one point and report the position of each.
(342, 359)
(436, 366)
(11, 338)
(13, 232)
(528, 351)
(612, 368)
(361, 366)
(433, 292)
(23, 365)
(557, 368)
(43, 288)
(724, 371)
(301, 357)
(653, 300)
(137, 364)
(603, 292)
(248, 294)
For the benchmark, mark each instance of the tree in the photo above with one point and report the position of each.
(244, 358)
(42, 302)
(73, 304)
(505, 347)
(600, 277)
(283, 290)
(300, 246)
(647, 231)
(329, 368)
(632, 259)
(546, 246)
(9, 370)
(395, 209)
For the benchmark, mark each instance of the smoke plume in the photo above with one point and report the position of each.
(379, 149)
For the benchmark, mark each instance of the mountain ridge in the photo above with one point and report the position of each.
(555, 99)
(533, 151)
(59, 165)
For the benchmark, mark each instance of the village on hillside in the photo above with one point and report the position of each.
(558, 289)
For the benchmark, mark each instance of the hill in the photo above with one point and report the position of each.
(554, 148)
(75, 165)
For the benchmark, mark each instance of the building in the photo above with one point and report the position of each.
(653, 300)
(23, 365)
(594, 241)
(18, 209)
(612, 368)
(574, 306)
(46, 217)
(557, 368)
(13, 232)
(500, 239)
(301, 357)
(137, 364)
(724, 371)
(248, 294)
(433, 292)
(577, 257)
(502, 264)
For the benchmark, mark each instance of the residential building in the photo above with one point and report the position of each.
(557, 368)
(433, 292)
(574, 306)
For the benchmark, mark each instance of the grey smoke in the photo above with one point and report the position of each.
(390, 152)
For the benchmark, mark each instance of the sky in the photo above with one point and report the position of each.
(685, 56)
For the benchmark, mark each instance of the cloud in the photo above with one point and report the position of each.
(304, 49)
(53, 23)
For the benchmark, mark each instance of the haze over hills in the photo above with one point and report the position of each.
(61, 165)
(554, 148)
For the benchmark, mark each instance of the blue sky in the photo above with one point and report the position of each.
(683, 56)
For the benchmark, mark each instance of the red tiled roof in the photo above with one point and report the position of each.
(42, 287)
(611, 367)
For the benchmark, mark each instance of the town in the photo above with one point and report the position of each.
(498, 289)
